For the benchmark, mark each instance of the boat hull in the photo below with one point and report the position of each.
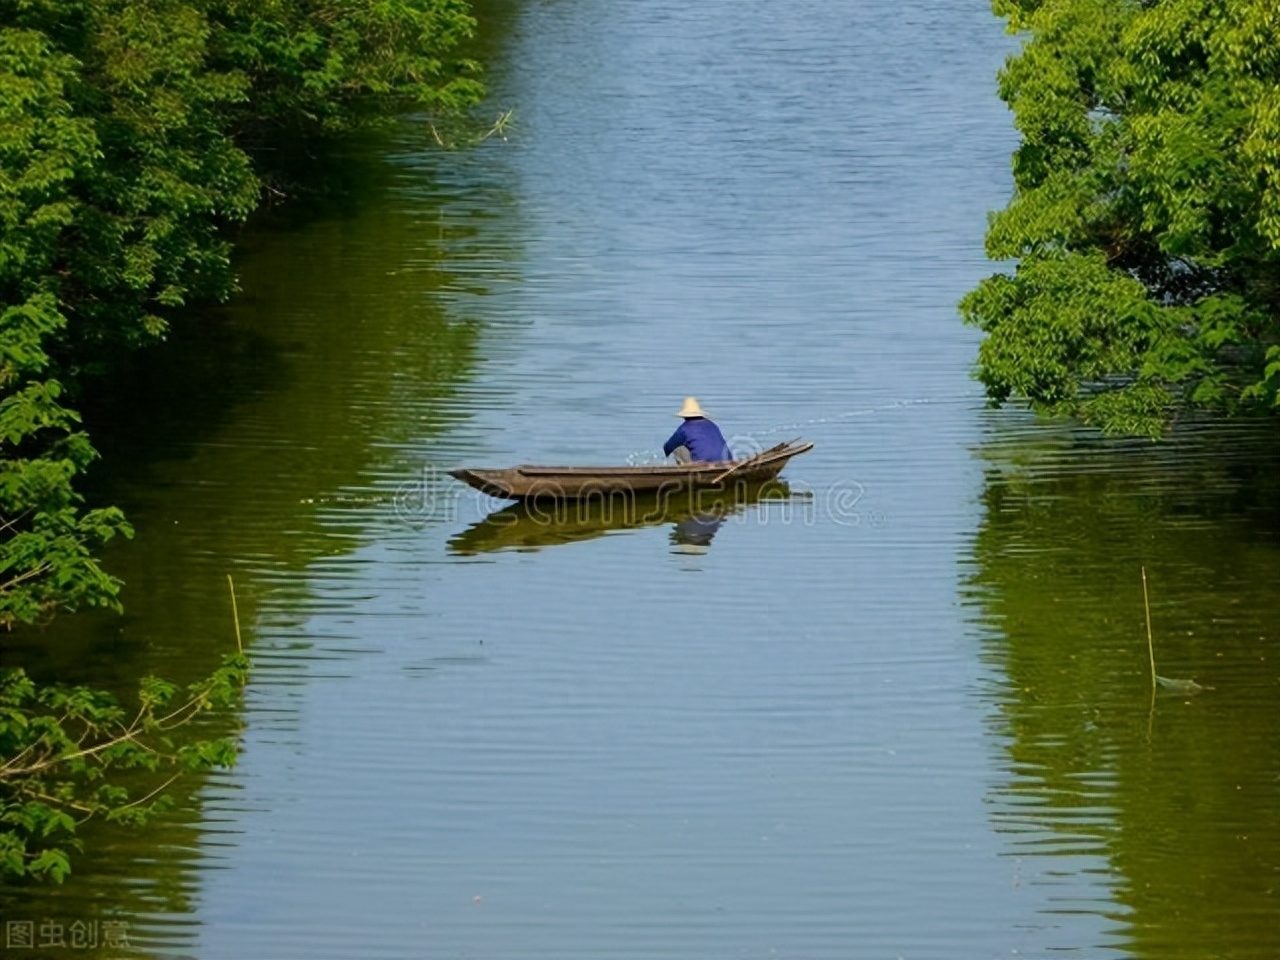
(581, 483)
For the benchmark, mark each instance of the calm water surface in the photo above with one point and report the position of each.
(905, 712)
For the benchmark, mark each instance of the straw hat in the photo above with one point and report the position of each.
(691, 409)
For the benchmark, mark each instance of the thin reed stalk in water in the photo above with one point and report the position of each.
(1146, 605)
(236, 614)
(1182, 686)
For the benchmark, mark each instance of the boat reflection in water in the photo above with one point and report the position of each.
(695, 515)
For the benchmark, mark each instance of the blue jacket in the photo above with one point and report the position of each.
(702, 437)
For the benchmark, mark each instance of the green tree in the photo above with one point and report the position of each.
(338, 65)
(1146, 213)
(129, 131)
(45, 541)
(124, 128)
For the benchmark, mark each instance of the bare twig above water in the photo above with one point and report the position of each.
(235, 614)
(1151, 647)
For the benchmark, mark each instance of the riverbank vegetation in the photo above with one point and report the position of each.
(131, 137)
(134, 136)
(1145, 219)
(72, 754)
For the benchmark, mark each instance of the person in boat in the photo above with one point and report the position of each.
(698, 439)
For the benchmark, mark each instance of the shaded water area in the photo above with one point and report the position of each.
(899, 706)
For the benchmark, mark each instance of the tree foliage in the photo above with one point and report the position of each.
(1146, 212)
(63, 751)
(128, 136)
(124, 135)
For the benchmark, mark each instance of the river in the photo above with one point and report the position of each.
(904, 712)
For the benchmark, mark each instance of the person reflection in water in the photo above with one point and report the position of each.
(694, 534)
(698, 439)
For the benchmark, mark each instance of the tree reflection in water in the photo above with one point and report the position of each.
(1161, 814)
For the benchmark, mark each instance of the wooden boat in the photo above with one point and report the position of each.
(578, 483)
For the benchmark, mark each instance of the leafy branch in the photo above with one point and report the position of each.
(60, 745)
